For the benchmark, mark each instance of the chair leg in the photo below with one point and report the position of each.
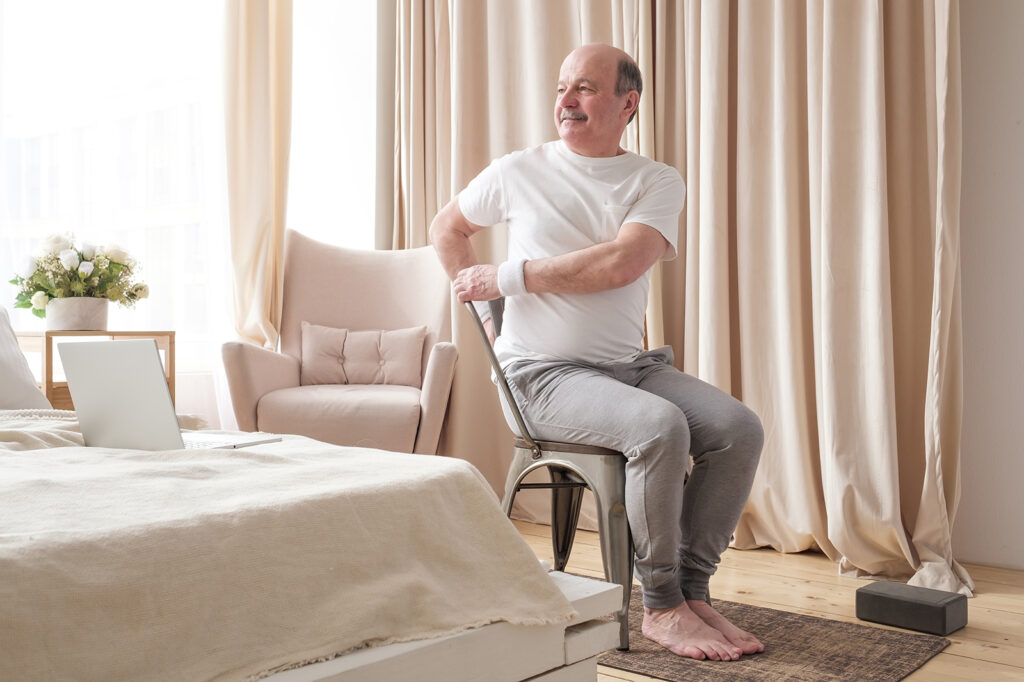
(517, 466)
(565, 515)
(617, 556)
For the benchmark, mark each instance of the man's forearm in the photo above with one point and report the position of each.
(595, 268)
(608, 265)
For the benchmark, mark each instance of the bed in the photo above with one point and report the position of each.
(295, 560)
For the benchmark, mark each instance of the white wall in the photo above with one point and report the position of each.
(989, 528)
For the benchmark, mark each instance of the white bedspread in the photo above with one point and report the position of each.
(226, 564)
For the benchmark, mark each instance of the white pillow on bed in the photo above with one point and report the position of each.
(19, 386)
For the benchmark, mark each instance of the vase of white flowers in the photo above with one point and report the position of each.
(70, 283)
(82, 313)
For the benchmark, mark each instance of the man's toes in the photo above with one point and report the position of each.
(692, 652)
(720, 651)
(749, 644)
(730, 653)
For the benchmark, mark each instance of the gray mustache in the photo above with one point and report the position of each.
(574, 115)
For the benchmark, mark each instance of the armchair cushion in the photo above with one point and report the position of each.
(384, 417)
(341, 356)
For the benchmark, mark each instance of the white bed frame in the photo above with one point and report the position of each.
(499, 652)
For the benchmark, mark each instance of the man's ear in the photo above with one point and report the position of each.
(632, 101)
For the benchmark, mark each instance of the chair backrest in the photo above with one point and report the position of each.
(497, 310)
(497, 307)
(362, 290)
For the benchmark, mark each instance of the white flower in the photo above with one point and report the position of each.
(141, 290)
(116, 254)
(85, 268)
(69, 259)
(39, 300)
(28, 268)
(55, 243)
(88, 250)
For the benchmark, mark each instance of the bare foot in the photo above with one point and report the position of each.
(684, 633)
(747, 643)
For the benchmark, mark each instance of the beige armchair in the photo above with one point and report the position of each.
(365, 355)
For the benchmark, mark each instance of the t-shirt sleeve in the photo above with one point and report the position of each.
(659, 206)
(482, 202)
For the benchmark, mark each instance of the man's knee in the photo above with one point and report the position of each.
(662, 427)
(748, 430)
(737, 430)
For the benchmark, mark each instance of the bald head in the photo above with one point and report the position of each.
(627, 73)
(598, 92)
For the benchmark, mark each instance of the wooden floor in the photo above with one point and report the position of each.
(991, 647)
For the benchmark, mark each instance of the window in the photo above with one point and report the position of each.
(111, 120)
(332, 174)
(111, 128)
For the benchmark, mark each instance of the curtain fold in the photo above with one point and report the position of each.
(257, 124)
(852, 297)
(940, 492)
(818, 269)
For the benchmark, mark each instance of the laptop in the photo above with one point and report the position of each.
(122, 399)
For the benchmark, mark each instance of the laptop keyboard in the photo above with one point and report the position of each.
(208, 444)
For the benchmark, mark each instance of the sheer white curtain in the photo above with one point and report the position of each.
(334, 117)
(265, 64)
(111, 119)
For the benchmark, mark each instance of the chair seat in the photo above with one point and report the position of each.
(558, 446)
(376, 416)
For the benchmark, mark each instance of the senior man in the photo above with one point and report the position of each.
(586, 223)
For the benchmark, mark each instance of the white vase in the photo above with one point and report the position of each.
(78, 313)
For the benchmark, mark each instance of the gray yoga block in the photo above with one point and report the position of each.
(916, 608)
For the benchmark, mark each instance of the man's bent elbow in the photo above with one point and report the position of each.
(435, 232)
(626, 272)
(448, 227)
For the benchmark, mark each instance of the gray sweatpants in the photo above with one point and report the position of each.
(657, 417)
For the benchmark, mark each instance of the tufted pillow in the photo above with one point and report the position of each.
(19, 386)
(340, 356)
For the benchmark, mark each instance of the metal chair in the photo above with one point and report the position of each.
(573, 468)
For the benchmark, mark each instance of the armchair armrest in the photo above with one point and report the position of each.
(437, 385)
(252, 372)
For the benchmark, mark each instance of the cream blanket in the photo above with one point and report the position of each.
(219, 564)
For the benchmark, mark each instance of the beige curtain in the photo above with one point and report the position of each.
(258, 124)
(412, 173)
(841, 269)
(818, 279)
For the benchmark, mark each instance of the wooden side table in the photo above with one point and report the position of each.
(57, 391)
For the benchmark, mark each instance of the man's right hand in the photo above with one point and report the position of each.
(477, 283)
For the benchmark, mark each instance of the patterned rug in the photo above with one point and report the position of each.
(797, 647)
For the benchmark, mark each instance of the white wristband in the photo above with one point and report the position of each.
(511, 280)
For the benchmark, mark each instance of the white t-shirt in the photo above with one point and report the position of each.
(555, 201)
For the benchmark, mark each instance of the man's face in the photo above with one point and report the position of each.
(589, 116)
